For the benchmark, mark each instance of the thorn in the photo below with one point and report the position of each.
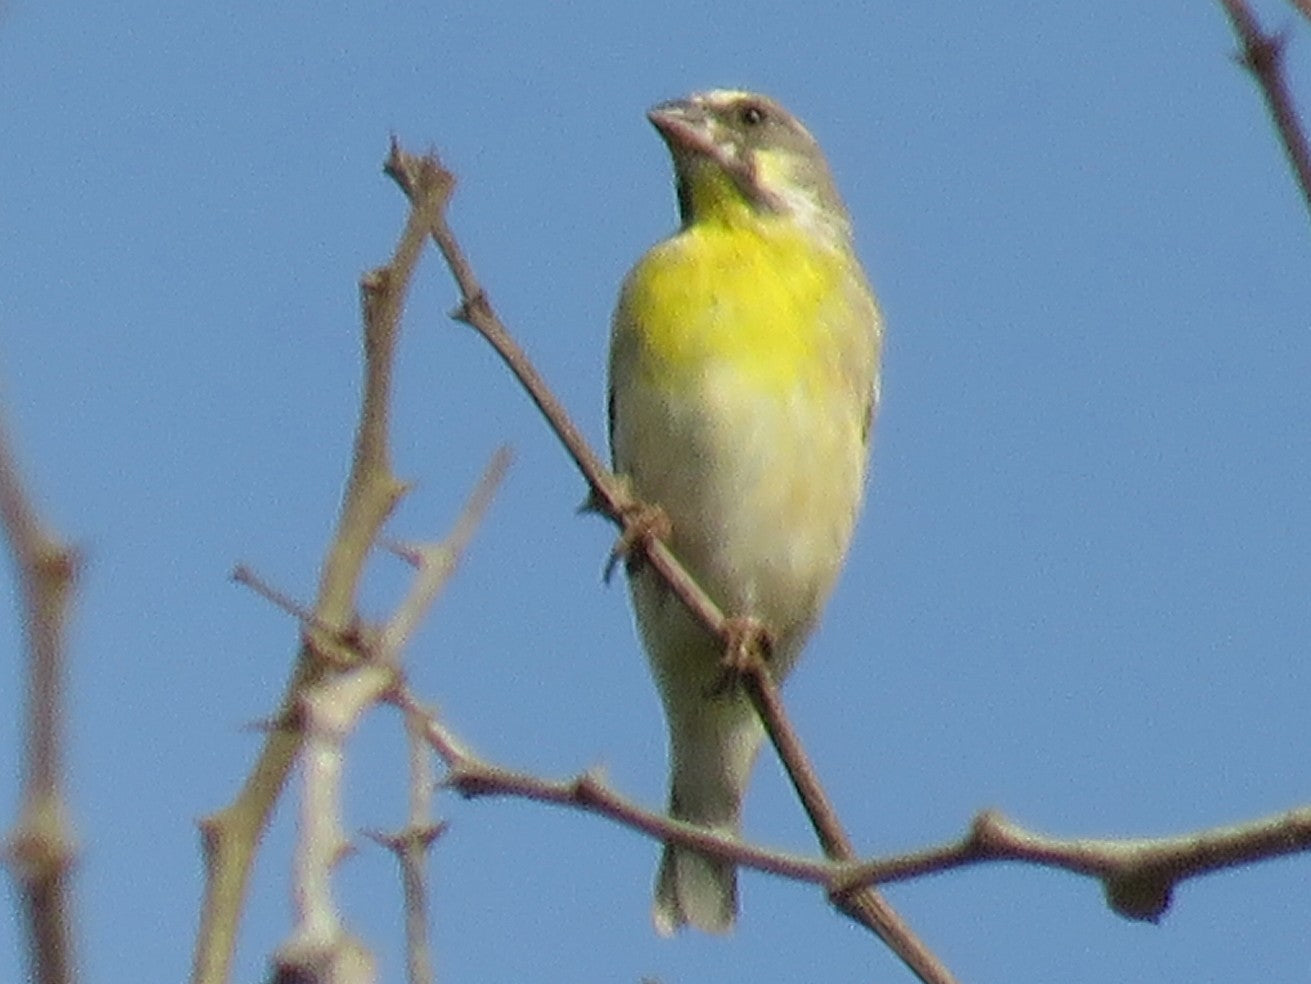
(592, 504)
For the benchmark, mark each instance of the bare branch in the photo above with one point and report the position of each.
(435, 564)
(332, 707)
(473, 776)
(331, 710)
(332, 636)
(437, 561)
(350, 963)
(410, 846)
(1263, 56)
(865, 905)
(1138, 875)
(41, 847)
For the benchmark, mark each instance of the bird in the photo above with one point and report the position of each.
(743, 385)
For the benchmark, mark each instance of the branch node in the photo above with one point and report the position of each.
(988, 832)
(468, 780)
(589, 788)
(424, 837)
(290, 720)
(421, 838)
(472, 310)
(1143, 895)
(419, 175)
(376, 281)
(1262, 52)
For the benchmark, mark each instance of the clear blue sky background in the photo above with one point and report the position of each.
(1080, 591)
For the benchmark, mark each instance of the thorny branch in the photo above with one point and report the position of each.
(1262, 55)
(1137, 875)
(332, 638)
(41, 847)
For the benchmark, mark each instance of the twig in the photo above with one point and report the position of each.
(865, 905)
(410, 846)
(41, 847)
(1138, 875)
(231, 835)
(1263, 56)
(473, 776)
(331, 709)
(437, 561)
(435, 564)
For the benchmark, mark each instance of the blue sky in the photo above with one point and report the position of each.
(1080, 590)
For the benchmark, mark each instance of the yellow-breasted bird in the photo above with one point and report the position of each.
(743, 384)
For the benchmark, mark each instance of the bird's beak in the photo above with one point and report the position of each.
(685, 127)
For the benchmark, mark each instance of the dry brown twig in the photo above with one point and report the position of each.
(1138, 876)
(319, 947)
(41, 847)
(319, 943)
(410, 846)
(434, 563)
(1262, 55)
(331, 637)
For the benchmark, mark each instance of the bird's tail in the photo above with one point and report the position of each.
(712, 752)
(694, 888)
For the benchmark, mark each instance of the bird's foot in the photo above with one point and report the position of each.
(747, 649)
(642, 523)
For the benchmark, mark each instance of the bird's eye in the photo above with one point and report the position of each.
(751, 115)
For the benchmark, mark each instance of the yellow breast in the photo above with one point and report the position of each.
(761, 296)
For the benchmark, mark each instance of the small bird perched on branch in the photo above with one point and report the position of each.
(744, 369)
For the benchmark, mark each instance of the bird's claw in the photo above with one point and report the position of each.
(746, 651)
(642, 523)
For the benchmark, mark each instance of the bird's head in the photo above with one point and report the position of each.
(738, 155)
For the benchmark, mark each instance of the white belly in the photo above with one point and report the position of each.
(762, 492)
